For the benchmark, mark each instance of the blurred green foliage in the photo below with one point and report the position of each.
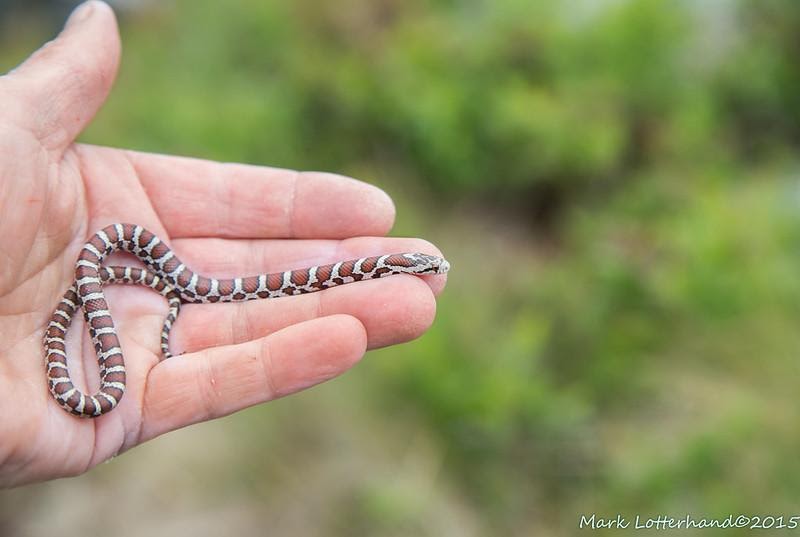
(617, 185)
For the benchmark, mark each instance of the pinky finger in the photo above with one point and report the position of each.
(218, 381)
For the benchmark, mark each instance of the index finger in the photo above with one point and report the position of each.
(201, 198)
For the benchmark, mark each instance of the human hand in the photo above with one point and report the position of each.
(221, 219)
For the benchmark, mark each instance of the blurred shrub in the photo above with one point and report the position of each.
(478, 98)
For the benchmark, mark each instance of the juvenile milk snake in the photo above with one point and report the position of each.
(166, 274)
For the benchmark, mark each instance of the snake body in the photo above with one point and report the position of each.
(167, 275)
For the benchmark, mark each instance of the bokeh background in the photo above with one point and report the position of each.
(617, 186)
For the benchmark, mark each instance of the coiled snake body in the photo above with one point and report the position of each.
(167, 275)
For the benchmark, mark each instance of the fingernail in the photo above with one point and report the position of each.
(80, 13)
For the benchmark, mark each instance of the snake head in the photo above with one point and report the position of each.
(430, 264)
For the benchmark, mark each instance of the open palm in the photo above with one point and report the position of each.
(222, 220)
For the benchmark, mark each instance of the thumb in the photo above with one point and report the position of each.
(62, 85)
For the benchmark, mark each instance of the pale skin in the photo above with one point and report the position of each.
(221, 219)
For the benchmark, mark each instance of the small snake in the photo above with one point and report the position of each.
(167, 275)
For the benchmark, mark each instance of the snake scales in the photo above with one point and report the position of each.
(166, 274)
